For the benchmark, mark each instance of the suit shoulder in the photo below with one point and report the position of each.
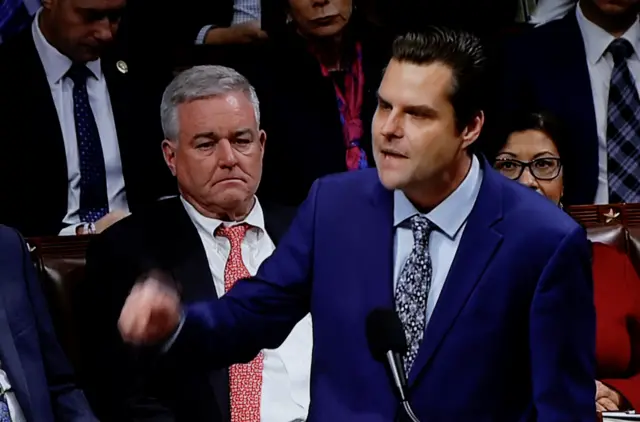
(10, 240)
(144, 220)
(350, 179)
(540, 39)
(534, 214)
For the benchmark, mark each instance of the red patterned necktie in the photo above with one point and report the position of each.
(245, 380)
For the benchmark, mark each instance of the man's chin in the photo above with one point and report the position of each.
(390, 180)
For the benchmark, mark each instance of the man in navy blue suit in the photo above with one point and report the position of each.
(585, 70)
(491, 281)
(36, 380)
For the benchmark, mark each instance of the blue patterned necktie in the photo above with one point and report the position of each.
(5, 415)
(13, 17)
(623, 128)
(94, 203)
(413, 287)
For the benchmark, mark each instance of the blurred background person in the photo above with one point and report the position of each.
(36, 379)
(531, 153)
(317, 79)
(82, 147)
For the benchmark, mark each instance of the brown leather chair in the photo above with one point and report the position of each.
(617, 225)
(60, 262)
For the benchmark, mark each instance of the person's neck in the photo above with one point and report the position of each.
(430, 194)
(328, 51)
(238, 213)
(45, 28)
(615, 25)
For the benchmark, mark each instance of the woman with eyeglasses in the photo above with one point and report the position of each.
(531, 154)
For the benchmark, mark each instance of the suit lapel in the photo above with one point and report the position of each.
(187, 262)
(12, 364)
(377, 234)
(47, 156)
(477, 246)
(118, 85)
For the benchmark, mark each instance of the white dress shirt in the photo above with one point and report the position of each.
(450, 217)
(56, 66)
(600, 64)
(286, 373)
(12, 401)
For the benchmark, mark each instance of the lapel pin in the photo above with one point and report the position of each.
(122, 66)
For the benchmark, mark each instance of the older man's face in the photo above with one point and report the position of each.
(218, 157)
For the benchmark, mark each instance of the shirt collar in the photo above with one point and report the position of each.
(56, 65)
(597, 40)
(208, 225)
(450, 214)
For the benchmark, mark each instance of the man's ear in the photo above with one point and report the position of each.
(262, 139)
(169, 153)
(48, 4)
(471, 132)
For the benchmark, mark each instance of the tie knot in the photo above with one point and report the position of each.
(422, 228)
(235, 234)
(621, 49)
(78, 73)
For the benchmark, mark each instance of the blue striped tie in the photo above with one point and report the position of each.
(623, 128)
(13, 17)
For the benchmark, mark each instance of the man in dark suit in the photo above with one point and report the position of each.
(36, 380)
(79, 123)
(570, 68)
(214, 148)
(491, 281)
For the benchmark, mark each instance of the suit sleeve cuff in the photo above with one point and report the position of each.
(174, 336)
(202, 35)
(70, 230)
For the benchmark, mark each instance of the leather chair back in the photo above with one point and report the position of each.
(617, 225)
(60, 263)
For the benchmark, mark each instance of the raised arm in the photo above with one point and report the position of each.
(258, 313)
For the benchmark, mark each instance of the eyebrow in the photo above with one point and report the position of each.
(545, 152)
(416, 109)
(510, 154)
(215, 137)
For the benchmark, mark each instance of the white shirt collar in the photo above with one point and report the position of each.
(451, 213)
(56, 65)
(209, 225)
(597, 40)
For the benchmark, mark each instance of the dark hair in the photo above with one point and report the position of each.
(462, 52)
(541, 121)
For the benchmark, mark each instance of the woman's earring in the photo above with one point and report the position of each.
(560, 204)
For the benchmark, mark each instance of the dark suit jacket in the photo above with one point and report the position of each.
(29, 351)
(515, 318)
(33, 177)
(300, 114)
(125, 386)
(546, 70)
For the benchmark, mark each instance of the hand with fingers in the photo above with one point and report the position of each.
(151, 313)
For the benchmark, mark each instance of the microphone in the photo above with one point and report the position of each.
(387, 343)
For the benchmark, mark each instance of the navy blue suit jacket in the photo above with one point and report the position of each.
(29, 351)
(512, 337)
(546, 70)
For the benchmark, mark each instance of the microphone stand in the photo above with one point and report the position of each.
(399, 378)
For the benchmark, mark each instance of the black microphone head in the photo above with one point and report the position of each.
(385, 333)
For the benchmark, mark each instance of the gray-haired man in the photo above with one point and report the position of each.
(214, 233)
